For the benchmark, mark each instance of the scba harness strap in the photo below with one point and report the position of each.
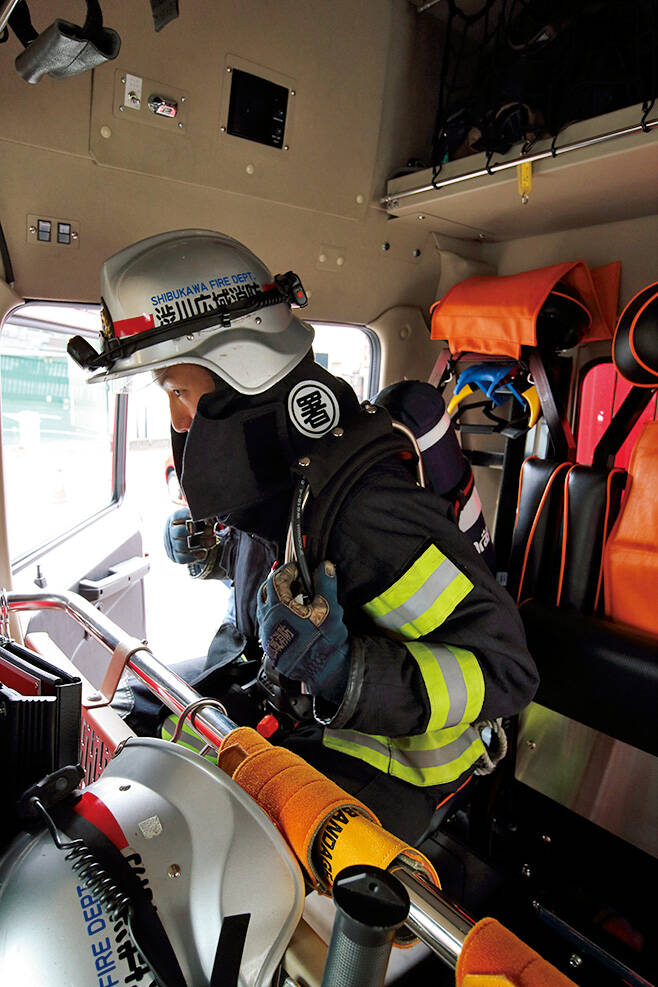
(344, 456)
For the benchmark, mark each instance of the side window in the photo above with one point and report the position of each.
(602, 392)
(351, 352)
(57, 431)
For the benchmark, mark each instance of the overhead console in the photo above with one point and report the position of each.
(240, 109)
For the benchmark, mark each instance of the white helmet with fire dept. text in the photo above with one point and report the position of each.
(200, 297)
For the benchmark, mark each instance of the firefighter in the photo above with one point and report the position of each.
(407, 649)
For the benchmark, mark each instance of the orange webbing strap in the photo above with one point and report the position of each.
(493, 957)
(325, 827)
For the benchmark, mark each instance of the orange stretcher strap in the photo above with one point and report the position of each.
(630, 561)
(498, 315)
(493, 957)
(326, 828)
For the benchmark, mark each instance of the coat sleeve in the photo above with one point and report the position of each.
(435, 640)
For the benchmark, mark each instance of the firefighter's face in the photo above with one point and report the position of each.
(184, 385)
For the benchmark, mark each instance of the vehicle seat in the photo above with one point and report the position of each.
(631, 553)
(598, 665)
(534, 567)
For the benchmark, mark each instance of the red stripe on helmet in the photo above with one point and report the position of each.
(130, 327)
(97, 813)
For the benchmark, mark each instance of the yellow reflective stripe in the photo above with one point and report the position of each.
(434, 678)
(453, 681)
(422, 598)
(440, 774)
(367, 747)
(189, 738)
(434, 758)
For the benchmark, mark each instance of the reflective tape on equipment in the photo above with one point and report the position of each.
(189, 737)
(434, 758)
(470, 512)
(453, 680)
(435, 434)
(421, 599)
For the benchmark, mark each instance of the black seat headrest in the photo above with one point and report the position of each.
(635, 346)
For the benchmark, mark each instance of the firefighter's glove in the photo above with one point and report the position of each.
(306, 642)
(194, 545)
(175, 537)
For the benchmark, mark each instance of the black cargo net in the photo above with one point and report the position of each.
(515, 71)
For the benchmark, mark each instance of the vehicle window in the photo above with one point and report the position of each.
(601, 395)
(350, 352)
(57, 430)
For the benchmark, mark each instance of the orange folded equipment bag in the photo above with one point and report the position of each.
(498, 315)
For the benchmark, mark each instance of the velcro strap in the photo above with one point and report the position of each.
(163, 11)
(21, 24)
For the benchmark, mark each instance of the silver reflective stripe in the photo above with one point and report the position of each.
(470, 511)
(362, 740)
(455, 684)
(422, 599)
(435, 757)
(434, 434)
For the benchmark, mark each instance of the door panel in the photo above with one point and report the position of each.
(64, 452)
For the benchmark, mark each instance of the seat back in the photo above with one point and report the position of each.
(631, 554)
(534, 568)
(592, 496)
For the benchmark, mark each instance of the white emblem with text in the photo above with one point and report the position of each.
(313, 409)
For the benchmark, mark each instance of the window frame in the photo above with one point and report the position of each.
(119, 438)
(375, 348)
(120, 433)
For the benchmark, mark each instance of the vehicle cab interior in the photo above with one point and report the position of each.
(466, 191)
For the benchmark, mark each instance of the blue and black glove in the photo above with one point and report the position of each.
(195, 544)
(175, 537)
(306, 642)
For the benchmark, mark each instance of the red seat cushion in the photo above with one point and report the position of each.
(631, 554)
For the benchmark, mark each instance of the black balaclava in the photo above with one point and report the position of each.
(235, 461)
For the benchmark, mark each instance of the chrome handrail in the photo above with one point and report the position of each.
(393, 199)
(437, 922)
(170, 688)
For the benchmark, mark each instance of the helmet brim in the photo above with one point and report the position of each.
(248, 358)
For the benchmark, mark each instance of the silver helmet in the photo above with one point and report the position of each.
(216, 870)
(200, 297)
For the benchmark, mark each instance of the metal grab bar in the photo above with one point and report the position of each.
(432, 917)
(393, 200)
(169, 687)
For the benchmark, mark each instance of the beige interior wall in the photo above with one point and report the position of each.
(634, 242)
(407, 350)
(365, 80)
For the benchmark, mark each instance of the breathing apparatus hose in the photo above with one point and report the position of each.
(299, 499)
